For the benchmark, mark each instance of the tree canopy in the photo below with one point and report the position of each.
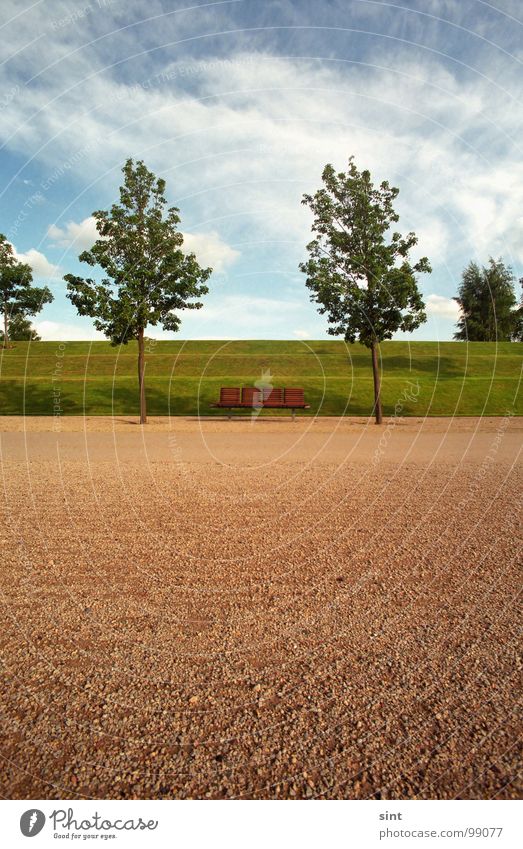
(487, 300)
(18, 297)
(20, 329)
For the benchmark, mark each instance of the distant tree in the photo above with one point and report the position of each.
(148, 274)
(518, 318)
(20, 329)
(18, 297)
(488, 303)
(358, 270)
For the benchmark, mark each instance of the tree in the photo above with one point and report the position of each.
(18, 297)
(20, 329)
(148, 274)
(358, 271)
(488, 303)
(518, 322)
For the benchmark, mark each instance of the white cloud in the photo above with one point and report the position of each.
(433, 239)
(251, 153)
(243, 317)
(437, 305)
(40, 265)
(210, 250)
(236, 316)
(56, 331)
(81, 236)
(301, 334)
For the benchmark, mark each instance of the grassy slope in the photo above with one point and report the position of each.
(183, 378)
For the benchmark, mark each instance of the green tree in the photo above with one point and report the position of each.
(488, 303)
(17, 296)
(20, 329)
(148, 274)
(518, 322)
(358, 270)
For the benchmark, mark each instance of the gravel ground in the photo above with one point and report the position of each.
(199, 630)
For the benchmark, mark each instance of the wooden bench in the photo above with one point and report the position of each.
(249, 397)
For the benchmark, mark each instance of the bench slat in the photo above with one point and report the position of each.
(294, 395)
(272, 397)
(229, 395)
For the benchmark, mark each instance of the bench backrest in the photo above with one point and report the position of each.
(294, 396)
(229, 395)
(251, 397)
(272, 397)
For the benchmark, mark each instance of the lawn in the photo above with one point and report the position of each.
(184, 378)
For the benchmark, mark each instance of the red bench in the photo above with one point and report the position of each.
(249, 397)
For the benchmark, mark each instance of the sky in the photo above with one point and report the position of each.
(238, 105)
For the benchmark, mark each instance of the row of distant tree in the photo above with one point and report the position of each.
(20, 329)
(487, 297)
(359, 272)
(489, 310)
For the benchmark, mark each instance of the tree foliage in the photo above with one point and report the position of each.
(18, 297)
(359, 271)
(487, 300)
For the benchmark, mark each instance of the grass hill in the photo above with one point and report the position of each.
(184, 378)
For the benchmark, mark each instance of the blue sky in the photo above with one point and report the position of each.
(238, 105)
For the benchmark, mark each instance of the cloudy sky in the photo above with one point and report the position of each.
(239, 104)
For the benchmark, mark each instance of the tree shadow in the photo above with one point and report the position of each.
(19, 398)
(45, 398)
(410, 366)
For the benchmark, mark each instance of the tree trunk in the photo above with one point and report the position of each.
(141, 377)
(6, 332)
(377, 383)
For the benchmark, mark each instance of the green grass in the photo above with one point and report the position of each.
(184, 378)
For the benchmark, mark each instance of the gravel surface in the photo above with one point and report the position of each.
(325, 630)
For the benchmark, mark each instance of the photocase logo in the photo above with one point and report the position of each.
(264, 386)
(32, 822)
